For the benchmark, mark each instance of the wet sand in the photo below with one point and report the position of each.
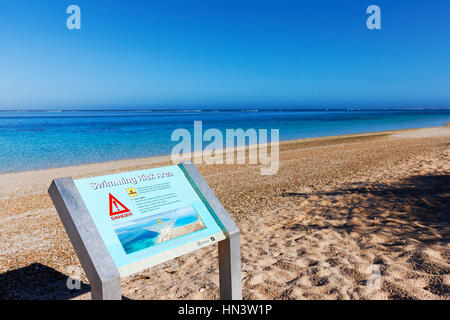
(348, 217)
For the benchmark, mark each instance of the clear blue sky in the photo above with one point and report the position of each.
(162, 54)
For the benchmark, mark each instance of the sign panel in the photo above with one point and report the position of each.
(149, 216)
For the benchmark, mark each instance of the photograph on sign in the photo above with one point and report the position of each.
(142, 233)
(147, 217)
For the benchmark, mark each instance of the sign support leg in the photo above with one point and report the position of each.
(94, 257)
(230, 268)
(111, 290)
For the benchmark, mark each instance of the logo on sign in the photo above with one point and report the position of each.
(132, 192)
(117, 209)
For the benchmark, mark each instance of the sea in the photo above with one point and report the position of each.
(32, 140)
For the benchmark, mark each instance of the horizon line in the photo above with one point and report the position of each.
(229, 109)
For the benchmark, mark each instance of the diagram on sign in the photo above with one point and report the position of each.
(117, 209)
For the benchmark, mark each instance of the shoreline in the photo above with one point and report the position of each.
(37, 181)
(123, 163)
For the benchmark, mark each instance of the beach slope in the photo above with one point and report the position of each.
(350, 217)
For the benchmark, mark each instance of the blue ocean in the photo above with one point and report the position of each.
(33, 140)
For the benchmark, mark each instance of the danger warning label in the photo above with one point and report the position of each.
(117, 209)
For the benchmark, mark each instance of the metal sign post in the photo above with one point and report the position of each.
(96, 260)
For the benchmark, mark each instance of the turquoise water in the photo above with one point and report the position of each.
(137, 240)
(39, 140)
(186, 220)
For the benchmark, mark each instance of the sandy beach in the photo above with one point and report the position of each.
(361, 216)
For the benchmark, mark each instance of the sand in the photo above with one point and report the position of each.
(348, 217)
(423, 133)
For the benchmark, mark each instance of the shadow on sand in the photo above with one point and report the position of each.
(416, 209)
(409, 216)
(38, 282)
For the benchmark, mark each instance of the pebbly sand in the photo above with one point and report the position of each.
(349, 217)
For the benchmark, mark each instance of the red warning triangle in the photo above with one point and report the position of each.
(115, 206)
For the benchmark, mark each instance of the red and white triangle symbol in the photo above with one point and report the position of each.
(116, 207)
